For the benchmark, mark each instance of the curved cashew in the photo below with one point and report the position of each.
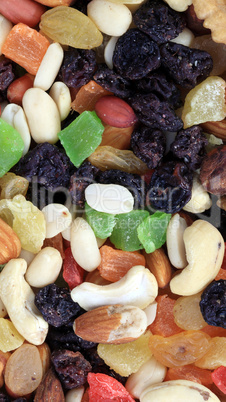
(175, 243)
(204, 247)
(178, 390)
(137, 288)
(18, 298)
(200, 199)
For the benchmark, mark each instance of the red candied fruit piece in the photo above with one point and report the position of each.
(73, 274)
(219, 378)
(103, 388)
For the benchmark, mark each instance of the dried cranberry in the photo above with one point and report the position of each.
(186, 66)
(170, 187)
(82, 178)
(189, 145)
(135, 55)
(159, 21)
(148, 144)
(113, 82)
(213, 303)
(78, 67)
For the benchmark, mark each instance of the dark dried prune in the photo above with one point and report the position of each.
(135, 55)
(6, 77)
(48, 164)
(113, 82)
(187, 67)
(133, 182)
(157, 83)
(78, 67)
(82, 178)
(71, 367)
(159, 21)
(189, 145)
(56, 305)
(154, 113)
(213, 303)
(170, 187)
(148, 144)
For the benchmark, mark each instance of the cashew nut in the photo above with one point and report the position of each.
(3, 311)
(204, 247)
(137, 288)
(75, 394)
(18, 298)
(200, 200)
(175, 242)
(178, 390)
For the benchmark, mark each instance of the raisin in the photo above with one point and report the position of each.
(213, 303)
(65, 338)
(159, 21)
(187, 67)
(4, 398)
(189, 145)
(155, 113)
(157, 83)
(82, 178)
(56, 305)
(6, 77)
(133, 182)
(170, 187)
(113, 82)
(149, 145)
(135, 55)
(71, 367)
(78, 67)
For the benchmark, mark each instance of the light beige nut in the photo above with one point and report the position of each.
(5, 28)
(200, 199)
(221, 202)
(49, 67)
(150, 312)
(185, 38)
(137, 288)
(175, 242)
(60, 93)
(18, 299)
(178, 390)
(75, 394)
(58, 218)
(204, 247)
(10, 245)
(3, 311)
(111, 324)
(151, 372)
(213, 12)
(109, 50)
(179, 5)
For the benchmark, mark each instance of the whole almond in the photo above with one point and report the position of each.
(10, 245)
(115, 112)
(50, 389)
(218, 128)
(160, 266)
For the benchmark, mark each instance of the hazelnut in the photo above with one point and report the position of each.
(213, 171)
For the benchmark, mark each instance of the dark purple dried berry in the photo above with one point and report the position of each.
(78, 67)
(159, 21)
(71, 367)
(65, 338)
(157, 83)
(113, 82)
(133, 182)
(213, 303)
(135, 55)
(189, 145)
(6, 77)
(148, 144)
(82, 178)
(170, 187)
(187, 67)
(154, 113)
(56, 305)
(4, 398)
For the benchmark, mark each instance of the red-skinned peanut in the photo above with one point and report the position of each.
(27, 11)
(115, 112)
(17, 88)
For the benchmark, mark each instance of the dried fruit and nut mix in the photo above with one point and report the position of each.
(112, 190)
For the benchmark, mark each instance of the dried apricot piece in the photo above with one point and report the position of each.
(87, 96)
(26, 47)
(164, 323)
(190, 373)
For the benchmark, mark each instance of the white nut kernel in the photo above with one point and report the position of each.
(49, 67)
(179, 5)
(45, 267)
(110, 18)
(178, 391)
(109, 198)
(60, 93)
(75, 395)
(150, 312)
(5, 28)
(204, 247)
(28, 256)
(109, 50)
(58, 218)
(42, 115)
(3, 311)
(175, 242)
(185, 38)
(18, 298)
(137, 288)
(14, 115)
(84, 245)
(151, 372)
(200, 200)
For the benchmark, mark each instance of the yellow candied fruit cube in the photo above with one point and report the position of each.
(10, 338)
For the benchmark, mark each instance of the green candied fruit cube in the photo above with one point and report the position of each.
(152, 231)
(124, 235)
(82, 137)
(102, 223)
(11, 147)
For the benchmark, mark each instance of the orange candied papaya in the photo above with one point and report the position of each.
(87, 96)
(164, 323)
(190, 373)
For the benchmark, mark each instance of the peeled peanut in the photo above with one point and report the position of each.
(179, 5)
(49, 66)
(58, 218)
(42, 115)
(204, 247)
(109, 50)
(5, 28)
(44, 268)
(75, 394)
(185, 38)
(60, 93)
(175, 242)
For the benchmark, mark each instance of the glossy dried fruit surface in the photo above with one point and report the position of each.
(180, 349)
(69, 26)
(11, 185)
(213, 303)
(187, 313)
(190, 373)
(215, 355)
(112, 81)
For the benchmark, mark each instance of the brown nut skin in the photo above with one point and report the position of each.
(213, 171)
(50, 389)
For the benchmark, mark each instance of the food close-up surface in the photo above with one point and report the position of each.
(112, 200)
